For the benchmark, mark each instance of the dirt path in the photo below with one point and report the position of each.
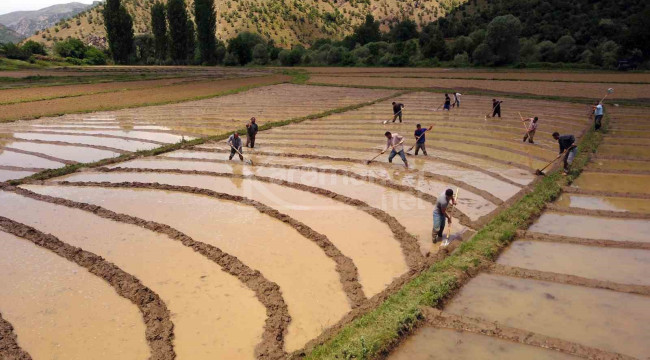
(155, 314)
(9, 348)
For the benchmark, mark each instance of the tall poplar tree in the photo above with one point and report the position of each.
(119, 31)
(159, 26)
(206, 28)
(179, 26)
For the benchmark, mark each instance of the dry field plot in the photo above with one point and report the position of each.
(576, 281)
(234, 260)
(567, 89)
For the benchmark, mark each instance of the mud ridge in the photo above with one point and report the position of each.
(601, 213)
(462, 217)
(266, 291)
(96, 135)
(619, 158)
(159, 327)
(408, 243)
(440, 319)
(40, 155)
(579, 191)
(528, 235)
(591, 169)
(513, 271)
(9, 348)
(359, 161)
(17, 168)
(64, 143)
(348, 272)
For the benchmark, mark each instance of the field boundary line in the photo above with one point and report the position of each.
(37, 154)
(268, 293)
(440, 319)
(598, 213)
(159, 327)
(378, 331)
(9, 348)
(621, 244)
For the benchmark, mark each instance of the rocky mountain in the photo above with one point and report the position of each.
(8, 35)
(287, 22)
(26, 23)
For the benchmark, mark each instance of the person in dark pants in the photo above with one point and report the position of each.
(456, 99)
(598, 115)
(447, 105)
(440, 214)
(496, 107)
(567, 144)
(532, 128)
(420, 138)
(397, 111)
(251, 129)
(235, 143)
(394, 142)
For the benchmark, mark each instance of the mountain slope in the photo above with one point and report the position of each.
(287, 22)
(8, 35)
(27, 23)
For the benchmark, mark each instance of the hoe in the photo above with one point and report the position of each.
(446, 242)
(247, 161)
(399, 112)
(378, 155)
(541, 172)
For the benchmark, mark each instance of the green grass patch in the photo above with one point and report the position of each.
(376, 332)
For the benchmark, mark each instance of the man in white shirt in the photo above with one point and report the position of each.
(395, 142)
(532, 127)
(598, 115)
(456, 99)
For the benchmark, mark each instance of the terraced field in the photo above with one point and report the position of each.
(575, 282)
(239, 260)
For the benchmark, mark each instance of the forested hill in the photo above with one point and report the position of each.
(585, 28)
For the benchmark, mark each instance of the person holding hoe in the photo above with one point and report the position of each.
(532, 127)
(447, 105)
(457, 96)
(251, 132)
(598, 115)
(397, 111)
(394, 142)
(420, 138)
(235, 146)
(440, 214)
(496, 107)
(568, 148)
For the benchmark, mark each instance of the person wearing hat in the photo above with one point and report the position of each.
(440, 214)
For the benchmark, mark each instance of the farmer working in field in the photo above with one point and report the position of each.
(456, 99)
(532, 127)
(447, 105)
(598, 115)
(420, 138)
(568, 148)
(235, 146)
(496, 107)
(251, 129)
(394, 142)
(397, 111)
(440, 214)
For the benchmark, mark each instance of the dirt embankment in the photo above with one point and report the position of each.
(108, 136)
(130, 98)
(623, 244)
(440, 319)
(579, 191)
(64, 143)
(9, 348)
(156, 316)
(266, 291)
(601, 213)
(41, 155)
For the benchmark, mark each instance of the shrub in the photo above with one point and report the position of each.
(70, 48)
(94, 56)
(13, 51)
(34, 48)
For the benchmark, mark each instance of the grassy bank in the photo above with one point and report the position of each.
(378, 331)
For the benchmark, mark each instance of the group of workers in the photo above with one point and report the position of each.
(235, 141)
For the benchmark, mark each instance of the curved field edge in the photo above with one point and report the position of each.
(375, 333)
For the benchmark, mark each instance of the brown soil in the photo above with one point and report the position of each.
(155, 314)
(579, 191)
(499, 269)
(16, 168)
(98, 147)
(346, 269)
(601, 213)
(9, 348)
(130, 98)
(441, 319)
(267, 292)
(582, 241)
(44, 156)
(577, 90)
(94, 135)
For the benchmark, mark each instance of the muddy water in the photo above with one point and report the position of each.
(144, 135)
(214, 315)
(632, 266)
(368, 242)
(603, 319)
(74, 153)
(592, 227)
(604, 203)
(306, 276)
(12, 175)
(127, 145)
(620, 165)
(613, 182)
(415, 214)
(430, 343)
(10, 158)
(469, 203)
(61, 311)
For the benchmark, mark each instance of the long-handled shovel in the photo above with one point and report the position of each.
(438, 108)
(248, 161)
(446, 241)
(609, 91)
(399, 112)
(541, 171)
(492, 112)
(417, 139)
(378, 155)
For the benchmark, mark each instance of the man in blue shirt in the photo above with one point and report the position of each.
(598, 114)
(420, 139)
